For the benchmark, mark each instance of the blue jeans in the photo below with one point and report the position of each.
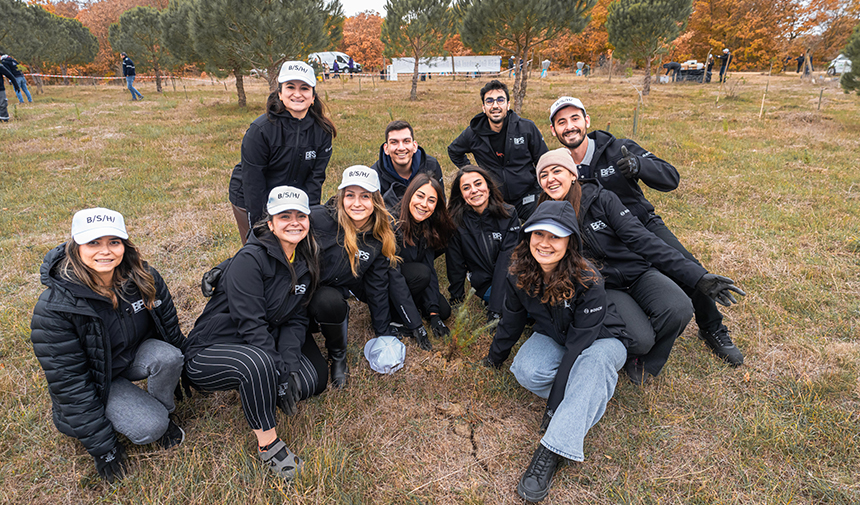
(589, 387)
(140, 415)
(129, 79)
(22, 83)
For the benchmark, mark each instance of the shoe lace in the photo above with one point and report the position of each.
(722, 337)
(542, 462)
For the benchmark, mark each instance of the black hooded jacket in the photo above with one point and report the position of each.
(70, 339)
(5, 72)
(12, 64)
(524, 146)
(654, 172)
(421, 252)
(127, 67)
(372, 282)
(621, 245)
(482, 246)
(283, 151)
(392, 186)
(256, 302)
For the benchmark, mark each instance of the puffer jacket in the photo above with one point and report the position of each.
(72, 345)
(482, 247)
(257, 303)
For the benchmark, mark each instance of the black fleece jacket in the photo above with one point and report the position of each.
(277, 152)
(372, 281)
(392, 186)
(422, 253)
(621, 245)
(654, 172)
(524, 146)
(257, 302)
(71, 341)
(482, 245)
(5, 72)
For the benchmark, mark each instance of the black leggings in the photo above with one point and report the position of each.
(225, 367)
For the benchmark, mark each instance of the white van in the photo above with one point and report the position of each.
(329, 57)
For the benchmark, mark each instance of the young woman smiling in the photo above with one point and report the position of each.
(107, 319)
(573, 357)
(288, 145)
(424, 230)
(358, 253)
(488, 229)
(633, 261)
(251, 336)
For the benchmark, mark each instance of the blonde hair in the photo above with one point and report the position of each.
(131, 268)
(382, 230)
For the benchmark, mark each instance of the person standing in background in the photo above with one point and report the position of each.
(128, 73)
(12, 65)
(4, 112)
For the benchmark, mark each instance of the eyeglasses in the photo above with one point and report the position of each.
(500, 100)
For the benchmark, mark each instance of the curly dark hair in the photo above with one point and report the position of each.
(437, 228)
(571, 270)
(457, 204)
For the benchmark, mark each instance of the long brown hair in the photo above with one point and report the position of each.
(571, 270)
(457, 204)
(307, 249)
(131, 268)
(318, 110)
(436, 229)
(382, 230)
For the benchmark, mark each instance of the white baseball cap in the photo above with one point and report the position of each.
(564, 102)
(360, 175)
(297, 70)
(284, 198)
(98, 222)
(385, 354)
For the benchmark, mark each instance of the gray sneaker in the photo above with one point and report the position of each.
(721, 343)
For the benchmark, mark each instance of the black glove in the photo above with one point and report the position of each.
(438, 326)
(487, 362)
(493, 316)
(629, 164)
(289, 394)
(719, 288)
(112, 465)
(420, 336)
(210, 281)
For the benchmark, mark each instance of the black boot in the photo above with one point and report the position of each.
(335, 342)
(535, 483)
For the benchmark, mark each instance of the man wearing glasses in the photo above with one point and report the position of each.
(506, 145)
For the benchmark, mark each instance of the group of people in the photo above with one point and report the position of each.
(564, 239)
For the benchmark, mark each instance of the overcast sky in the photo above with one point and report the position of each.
(353, 7)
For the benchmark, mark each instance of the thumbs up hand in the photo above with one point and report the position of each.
(629, 164)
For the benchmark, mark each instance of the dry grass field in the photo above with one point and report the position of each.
(771, 202)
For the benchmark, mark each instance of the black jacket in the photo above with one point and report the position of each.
(621, 245)
(523, 148)
(257, 303)
(372, 282)
(284, 151)
(12, 64)
(127, 67)
(422, 253)
(482, 246)
(654, 172)
(392, 186)
(574, 324)
(71, 342)
(5, 72)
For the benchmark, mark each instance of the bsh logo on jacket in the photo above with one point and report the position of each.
(362, 255)
(515, 227)
(497, 236)
(100, 218)
(156, 304)
(606, 172)
(137, 306)
(311, 155)
(519, 141)
(598, 225)
(592, 310)
(624, 212)
(301, 289)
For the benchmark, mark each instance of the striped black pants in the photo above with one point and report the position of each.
(225, 367)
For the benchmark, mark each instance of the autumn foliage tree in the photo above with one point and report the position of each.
(362, 39)
(586, 46)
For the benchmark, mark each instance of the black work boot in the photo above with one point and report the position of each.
(721, 343)
(335, 342)
(535, 483)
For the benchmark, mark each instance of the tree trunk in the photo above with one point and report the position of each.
(453, 69)
(610, 66)
(240, 87)
(157, 77)
(646, 88)
(65, 72)
(518, 75)
(413, 95)
(272, 76)
(523, 77)
(37, 79)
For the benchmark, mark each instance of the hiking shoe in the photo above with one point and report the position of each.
(535, 483)
(635, 369)
(721, 343)
(172, 437)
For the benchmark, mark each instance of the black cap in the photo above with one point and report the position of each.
(560, 213)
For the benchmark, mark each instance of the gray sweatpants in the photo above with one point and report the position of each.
(4, 111)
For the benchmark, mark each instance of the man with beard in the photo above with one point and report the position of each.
(619, 165)
(400, 160)
(506, 145)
